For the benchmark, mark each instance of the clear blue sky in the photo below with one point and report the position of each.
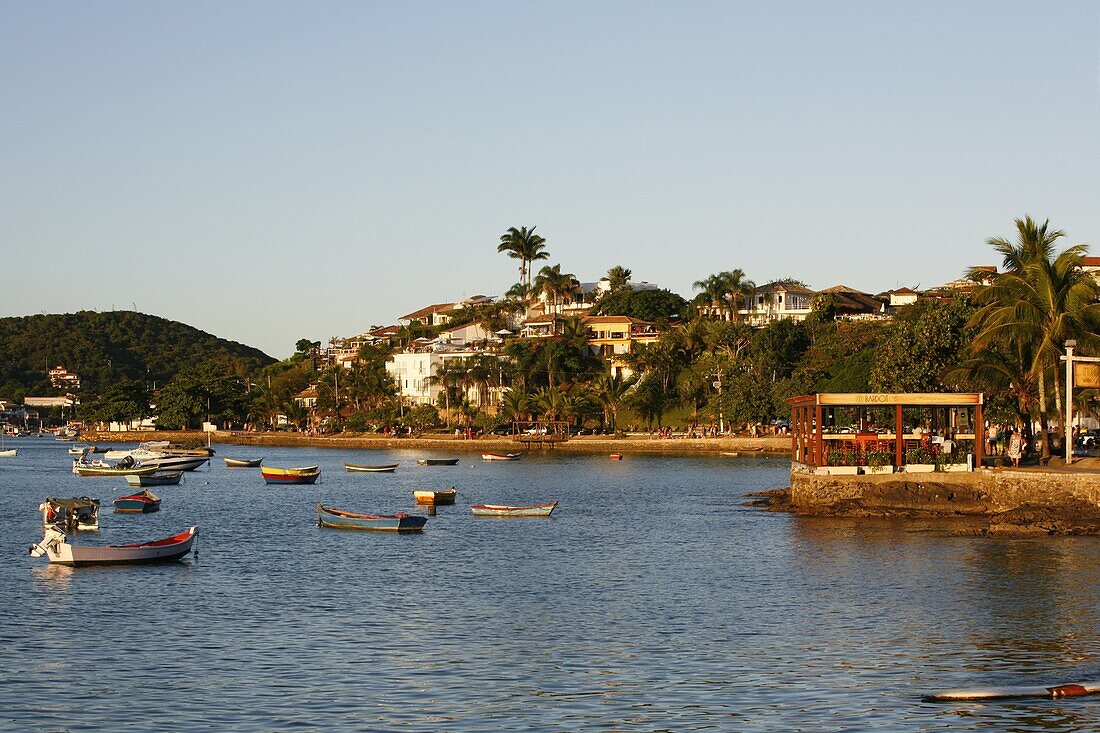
(271, 171)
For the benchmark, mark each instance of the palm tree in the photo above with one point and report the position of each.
(524, 245)
(1038, 302)
(555, 284)
(448, 376)
(725, 291)
(515, 405)
(520, 292)
(618, 278)
(612, 393)
(993, 370)
(551, 401)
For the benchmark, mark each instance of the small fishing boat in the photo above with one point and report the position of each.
(437, 462)
(302, 475)
(1072, 689)
(143, 502)
(165, 478)
(340, 519)
(356, 468)
(9, 453)
(242, 462)
(499, 510)
(442, 496)
(101, 468)
(71, 515)
(79, 450)
(616, 456)
(500, 456)
(54, 547)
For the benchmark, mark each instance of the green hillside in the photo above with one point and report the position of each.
(104, 348)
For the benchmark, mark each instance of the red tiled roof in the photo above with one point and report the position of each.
(429, 310)
(1090, 261)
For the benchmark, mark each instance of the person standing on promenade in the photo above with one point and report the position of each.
(1015, 447)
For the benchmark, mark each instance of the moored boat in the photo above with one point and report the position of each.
(1054, 692)
(442, 496)
(616, 456)
(166, 478)
(500, 456)
(302, 475)
(501, 510)
(384, 468)
(437, 462)
(101, 468)
(54, 547)
(243, 462)
(340, 519)
(9, 453)
(71, 515)
(174, 463)
(143, 502)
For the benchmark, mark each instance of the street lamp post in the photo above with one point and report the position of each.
(1067, 431)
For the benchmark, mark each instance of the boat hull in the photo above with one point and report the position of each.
(168, 549)
(9, 453)
(500, 456)
(339, 519)
(243, 462)
(304, 475)
(444, 496)
(144, 502)
(166, 479)
(175, 463)
(438, 462)
(355, 468)
(500, 510)
(108, 471)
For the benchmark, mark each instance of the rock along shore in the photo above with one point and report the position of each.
(639, 444)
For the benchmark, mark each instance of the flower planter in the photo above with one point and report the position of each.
(876, 469)
(843, 470)
(948, 467)
(920, 467)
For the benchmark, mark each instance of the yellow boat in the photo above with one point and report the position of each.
(443, 496)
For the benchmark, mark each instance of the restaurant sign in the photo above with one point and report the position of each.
(1086, 375)
(903, 398)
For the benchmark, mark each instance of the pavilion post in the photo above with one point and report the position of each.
(899, 437)
(979, 435)
(794, 435)
(818, 438)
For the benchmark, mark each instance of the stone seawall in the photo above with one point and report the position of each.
(986, 492)
(748, 446)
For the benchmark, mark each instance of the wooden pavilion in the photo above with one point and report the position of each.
(824, 426)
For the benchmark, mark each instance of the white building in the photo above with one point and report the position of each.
(777, 302)
(413, 370)
(902, 296)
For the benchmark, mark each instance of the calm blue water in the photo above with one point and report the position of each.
(652, 600)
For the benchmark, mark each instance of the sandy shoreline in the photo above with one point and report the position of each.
(749, 446)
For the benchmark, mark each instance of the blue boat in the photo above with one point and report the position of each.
(340, 519)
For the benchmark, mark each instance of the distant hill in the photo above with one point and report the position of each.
(106, 347)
